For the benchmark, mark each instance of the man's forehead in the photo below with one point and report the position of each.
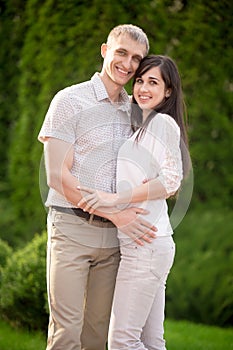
(124, 41)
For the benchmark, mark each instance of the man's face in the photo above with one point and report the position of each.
(122, 58)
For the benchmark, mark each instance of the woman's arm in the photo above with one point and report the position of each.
(93, 199)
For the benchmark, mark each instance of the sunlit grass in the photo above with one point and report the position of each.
(180, 335)
(184, 335)
(12, 339)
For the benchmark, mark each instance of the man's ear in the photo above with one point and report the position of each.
(103, 50)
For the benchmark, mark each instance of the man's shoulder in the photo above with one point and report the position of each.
(72, 89)
(79, 91)
(89, 91)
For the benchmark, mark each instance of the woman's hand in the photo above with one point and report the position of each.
(93, 199)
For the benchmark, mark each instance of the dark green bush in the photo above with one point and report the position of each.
(5, 251)
(200, 286)
(23, 290)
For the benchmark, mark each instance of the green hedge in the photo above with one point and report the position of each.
(47, 45)
(199, 287)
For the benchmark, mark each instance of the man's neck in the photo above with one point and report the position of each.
(112, 88)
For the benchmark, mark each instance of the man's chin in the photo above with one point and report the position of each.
(124, 80)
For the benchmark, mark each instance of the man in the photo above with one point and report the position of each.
(82, 132)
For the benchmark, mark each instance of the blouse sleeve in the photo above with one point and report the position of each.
(169, 160)
(60, 120)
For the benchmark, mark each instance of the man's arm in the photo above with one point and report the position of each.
(58, 162)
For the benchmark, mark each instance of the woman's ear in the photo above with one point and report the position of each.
(103, 50)
(168, 93)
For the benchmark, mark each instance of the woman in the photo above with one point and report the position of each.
(158, 151)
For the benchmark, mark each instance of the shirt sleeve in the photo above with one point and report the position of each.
(60, 120)
(167, 152)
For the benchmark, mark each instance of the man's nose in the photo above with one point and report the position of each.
(127, 62)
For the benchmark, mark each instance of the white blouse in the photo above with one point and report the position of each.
(156, 155)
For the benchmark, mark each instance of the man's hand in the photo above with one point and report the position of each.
(93, 199)
(129, 222)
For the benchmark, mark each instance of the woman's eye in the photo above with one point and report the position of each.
(138, 80)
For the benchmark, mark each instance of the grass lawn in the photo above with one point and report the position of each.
(180, 335)
(183, 335)
(11, 339)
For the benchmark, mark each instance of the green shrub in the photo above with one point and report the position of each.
(5, 251)
(200, 286)
(23, 290)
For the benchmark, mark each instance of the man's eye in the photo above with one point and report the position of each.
(137, 59)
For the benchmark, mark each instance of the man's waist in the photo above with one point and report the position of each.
(80, 213)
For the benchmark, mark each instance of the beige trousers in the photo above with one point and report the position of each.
(82, 263)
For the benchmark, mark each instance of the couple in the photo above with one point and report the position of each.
(88, 139)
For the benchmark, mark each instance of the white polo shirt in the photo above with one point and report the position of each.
(83, 116)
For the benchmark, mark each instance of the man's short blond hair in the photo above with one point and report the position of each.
(133, 31)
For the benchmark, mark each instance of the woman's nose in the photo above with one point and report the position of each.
(144, 87)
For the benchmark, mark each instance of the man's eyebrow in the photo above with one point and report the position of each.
(121, 49)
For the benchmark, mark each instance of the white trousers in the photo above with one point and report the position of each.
(139, 301)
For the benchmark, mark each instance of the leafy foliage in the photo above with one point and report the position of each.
(5, 252)
(61, 46)
(200, 286)
(23, 288)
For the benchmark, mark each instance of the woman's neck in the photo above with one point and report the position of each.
(145, 113)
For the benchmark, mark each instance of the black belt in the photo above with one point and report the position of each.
(82, 214)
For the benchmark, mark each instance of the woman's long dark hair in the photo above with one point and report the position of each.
(173, 105)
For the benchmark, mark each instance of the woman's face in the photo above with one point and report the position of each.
(149, 89)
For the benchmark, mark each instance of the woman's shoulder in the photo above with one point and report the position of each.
(163, 120)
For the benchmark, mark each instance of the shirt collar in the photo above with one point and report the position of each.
(101, 93)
